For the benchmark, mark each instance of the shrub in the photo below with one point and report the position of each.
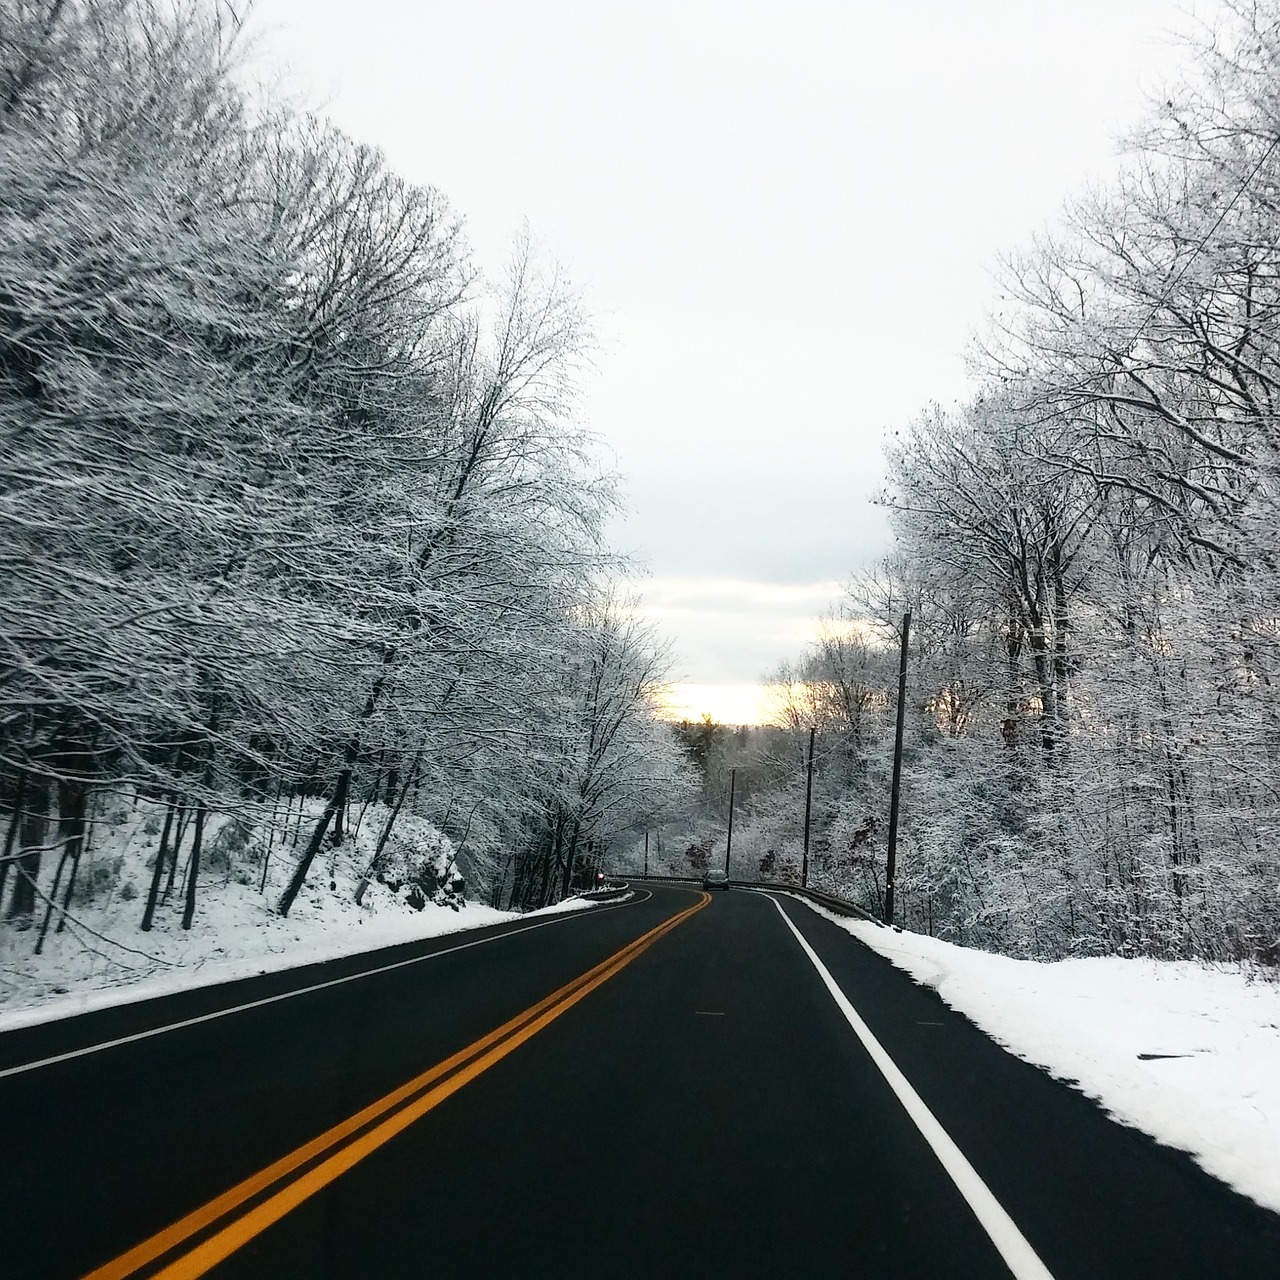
(422, 867)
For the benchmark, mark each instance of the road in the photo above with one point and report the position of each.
(667, 1087)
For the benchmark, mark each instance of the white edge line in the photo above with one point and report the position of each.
(1012, 1245)
(300, 991)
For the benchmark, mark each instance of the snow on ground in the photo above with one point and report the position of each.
(103, 958)
(1186, 1052)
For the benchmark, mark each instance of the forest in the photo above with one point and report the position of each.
(297, 512)
(1089, 548)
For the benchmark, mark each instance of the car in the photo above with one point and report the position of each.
(715, 879)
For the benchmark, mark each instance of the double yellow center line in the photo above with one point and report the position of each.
(251, 1206)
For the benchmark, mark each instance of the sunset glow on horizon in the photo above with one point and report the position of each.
(725, 703)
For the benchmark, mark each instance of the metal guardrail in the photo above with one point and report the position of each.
(841, 906)
(605, 894)
(662, 879)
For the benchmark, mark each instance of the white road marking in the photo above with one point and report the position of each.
(302, 991)
(1019, 1256)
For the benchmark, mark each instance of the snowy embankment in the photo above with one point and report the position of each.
(1186, 1052)
(101, 957)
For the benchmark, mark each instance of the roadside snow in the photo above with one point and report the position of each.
(249, 942)
(1093, 1023)
(102, 957)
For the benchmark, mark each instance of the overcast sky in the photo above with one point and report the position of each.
(785, 218)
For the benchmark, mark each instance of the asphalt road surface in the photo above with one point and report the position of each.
(681, 1085)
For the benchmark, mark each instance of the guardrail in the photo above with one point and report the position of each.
(660, 879)
(841, 906)
(605, 894)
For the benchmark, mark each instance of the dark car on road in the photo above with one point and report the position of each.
(715, 880)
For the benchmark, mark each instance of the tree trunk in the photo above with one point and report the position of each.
(545, 868)
(1011, 729)
(343, 793)
(549, 865)
(72, 796)
(1042, 662)
(308, 857)
(1061, 649)
(83, 841)
(271, 832)
(374, 786)
(11, 835)
(183, 813)
(520, 874)
(153, 893)
(570, 857)
(32, 833)
(350, 754)
(495, 894)
(197, 839)
(386, 829)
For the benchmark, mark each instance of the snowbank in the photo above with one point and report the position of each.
(1183, 1051)
(103, 958)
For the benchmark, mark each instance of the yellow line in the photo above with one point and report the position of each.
(473, 1061)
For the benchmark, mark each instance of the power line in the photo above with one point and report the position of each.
(1204, 240)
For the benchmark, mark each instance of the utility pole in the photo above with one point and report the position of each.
(728, 847)
(646, 851)
(808, 808)
(891, 867)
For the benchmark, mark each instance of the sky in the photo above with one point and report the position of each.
(786, 219)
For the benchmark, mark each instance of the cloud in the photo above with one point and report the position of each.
(731, 631)
(735, 594)
(783, 215)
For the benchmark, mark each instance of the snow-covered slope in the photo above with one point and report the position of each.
(102, 957)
